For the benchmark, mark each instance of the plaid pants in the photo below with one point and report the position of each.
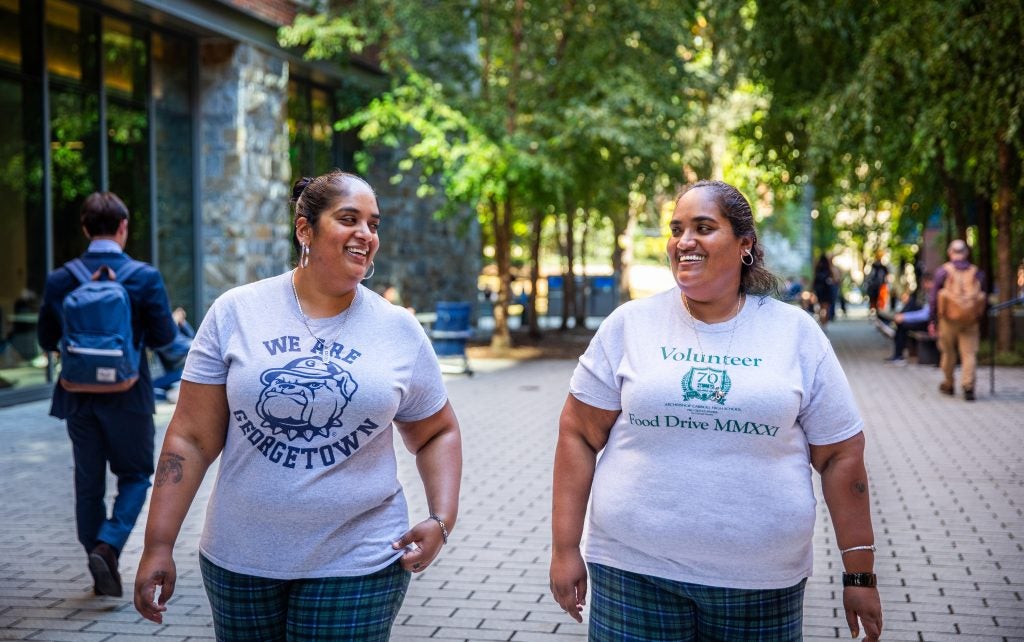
(257, 609)
(629, 607)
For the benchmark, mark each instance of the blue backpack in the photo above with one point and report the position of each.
(97, 354)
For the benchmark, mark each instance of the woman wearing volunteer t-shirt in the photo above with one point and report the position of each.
(708, 405)
(295, 383)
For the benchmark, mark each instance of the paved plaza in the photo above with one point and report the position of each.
(947, 482)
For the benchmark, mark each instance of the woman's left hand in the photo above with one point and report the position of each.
(422, 543)
(863, 603)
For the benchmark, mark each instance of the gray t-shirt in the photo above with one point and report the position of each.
(307, 484)
(706, 490)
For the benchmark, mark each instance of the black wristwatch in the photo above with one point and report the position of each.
(868, 580)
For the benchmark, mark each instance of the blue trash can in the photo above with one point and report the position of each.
(451, 330)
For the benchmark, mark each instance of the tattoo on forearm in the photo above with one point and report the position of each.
(169, 471)
(859, 487)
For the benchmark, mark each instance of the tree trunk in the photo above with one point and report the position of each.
(622, 253)
(502, 338)
(618, 253)
(983, 208)
(953, 202)
(535, 237)
(569, 278)
(983, 219)
(581, 301)
(1004, 244)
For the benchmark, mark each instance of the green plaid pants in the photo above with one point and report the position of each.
(630, 607)
(257, 609)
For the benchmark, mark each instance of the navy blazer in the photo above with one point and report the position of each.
(152, 326)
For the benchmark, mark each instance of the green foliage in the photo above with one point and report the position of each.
(884, 109)
(873, 101)
(1013, 357)
(546, 104)
(324, 36)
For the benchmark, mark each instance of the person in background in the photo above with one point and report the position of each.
(913, 316)
(114, 428)
(392, 296)
(875, 281)
(791, 290)
(840, 294)
(172, 358)
(956, 337)
(824, 286)
(296, 382)
(710, 380)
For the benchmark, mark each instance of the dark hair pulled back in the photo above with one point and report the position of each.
(312, 196)
(754, 278)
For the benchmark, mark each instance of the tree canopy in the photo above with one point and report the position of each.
(572, 116)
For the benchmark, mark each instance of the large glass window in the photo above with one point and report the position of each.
(113, 113)
(172, 64)
(125, 77)
(315, 146)
(10, 35)
(72, 59)
(22, 219)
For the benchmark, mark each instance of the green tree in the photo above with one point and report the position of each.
(523, 110)
(897, 106)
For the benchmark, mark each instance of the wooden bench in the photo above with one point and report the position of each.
(925, 346)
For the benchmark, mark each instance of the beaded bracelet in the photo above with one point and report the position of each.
(444, 529)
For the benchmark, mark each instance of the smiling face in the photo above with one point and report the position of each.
(344, 240)
(704, 251)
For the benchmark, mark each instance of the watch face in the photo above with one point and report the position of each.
(859, 579)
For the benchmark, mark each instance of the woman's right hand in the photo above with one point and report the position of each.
(156, 569)
(569, 581)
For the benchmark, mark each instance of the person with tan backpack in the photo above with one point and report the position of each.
(958, 304)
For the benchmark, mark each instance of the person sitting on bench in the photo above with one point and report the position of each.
(913, 316)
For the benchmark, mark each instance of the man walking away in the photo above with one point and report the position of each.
(957, 303)
(109, 419)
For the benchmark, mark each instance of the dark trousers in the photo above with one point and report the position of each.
(899, 341)
(103, 434)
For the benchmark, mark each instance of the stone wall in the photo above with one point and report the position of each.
(246, 228)
(427, 260)
(246, 219)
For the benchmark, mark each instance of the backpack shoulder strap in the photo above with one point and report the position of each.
(78, 270)
(128, 269)
(953, 275)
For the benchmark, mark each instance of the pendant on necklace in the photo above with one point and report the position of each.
(323, 350)
(718, 394)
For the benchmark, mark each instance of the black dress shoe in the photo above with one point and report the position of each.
(103, 566)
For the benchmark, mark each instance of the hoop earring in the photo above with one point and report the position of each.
(304, 258)
(373, 268)
(747, 255)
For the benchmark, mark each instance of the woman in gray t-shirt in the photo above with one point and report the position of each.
(295, 383)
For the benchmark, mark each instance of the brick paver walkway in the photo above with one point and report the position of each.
(948, 488)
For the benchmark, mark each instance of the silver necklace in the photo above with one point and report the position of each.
(718, 394)
(324, 346)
